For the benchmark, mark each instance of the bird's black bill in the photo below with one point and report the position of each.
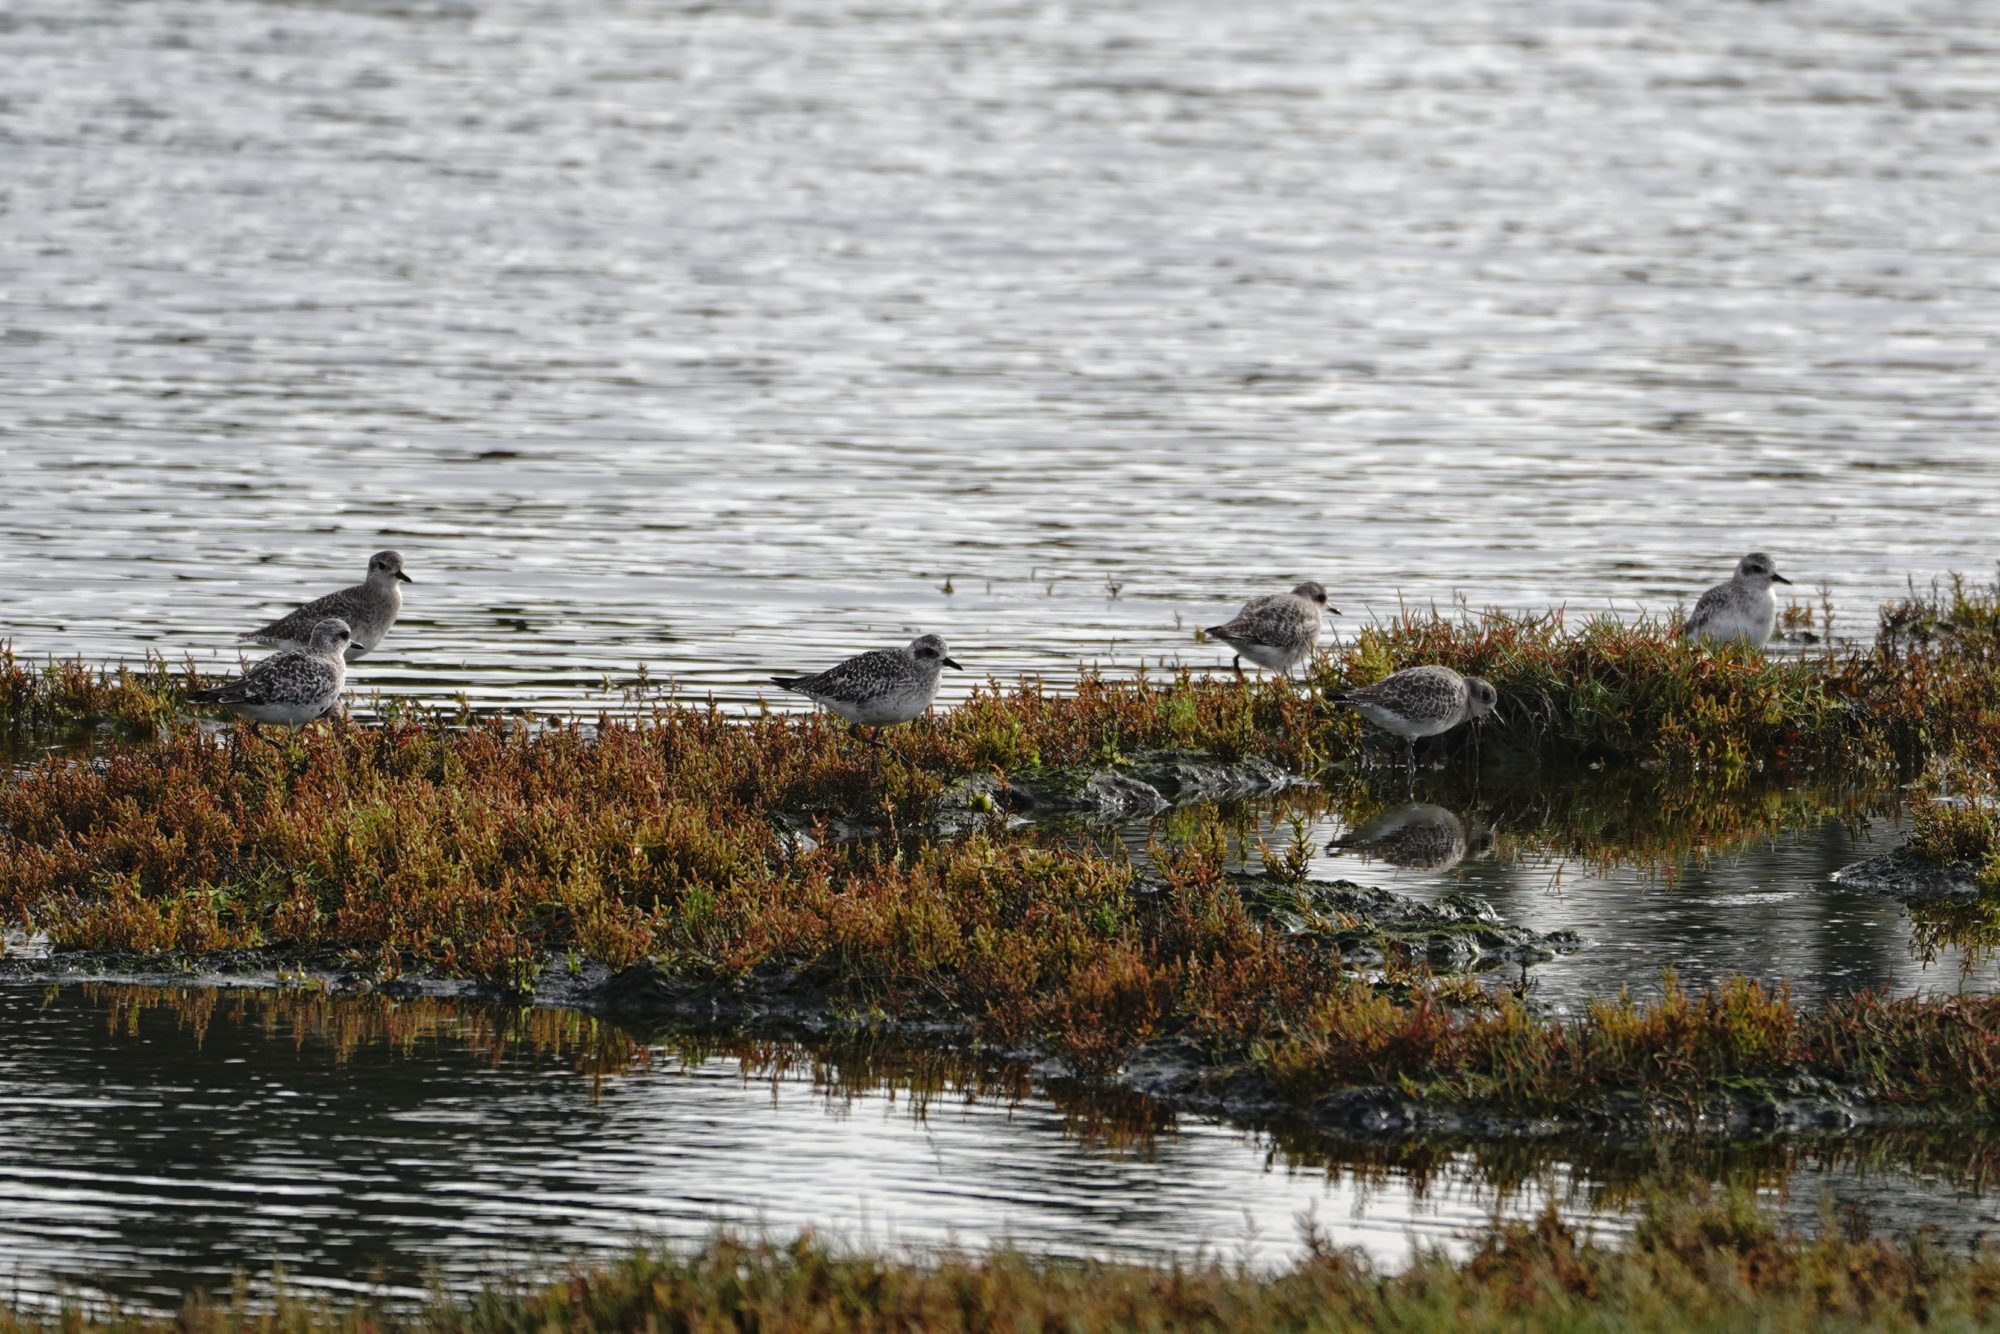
(1777, 578)
(953, 665)
(404, 577)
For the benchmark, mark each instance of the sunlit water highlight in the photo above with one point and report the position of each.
(724, 339)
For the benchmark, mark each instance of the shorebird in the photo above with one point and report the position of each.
(1276, 630)
(1421, 701)
(369, 608)
(880, 688)
(292, 686)
(1744, 610)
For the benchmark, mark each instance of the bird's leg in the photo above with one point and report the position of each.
(867, 736)
(1236, 665)
(1410, 762)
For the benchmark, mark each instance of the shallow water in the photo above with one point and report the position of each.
(1758, 903)
(1767, 909)
(152, 1141)
(723, 339)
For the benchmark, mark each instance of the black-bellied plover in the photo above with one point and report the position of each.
(1276, 630)
(369, 608)
(880, 688)
(1421, 701)
(292, 686)
(1744, 610)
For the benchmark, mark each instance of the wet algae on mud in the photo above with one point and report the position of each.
(682, 863)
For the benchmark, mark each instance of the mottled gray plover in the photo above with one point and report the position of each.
(369, 608)
(1744, 610)
(292, 686)
(1276, 630)
(880, 688)
(1421, 701)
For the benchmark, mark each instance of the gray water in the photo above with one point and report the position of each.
(721, 339)
(150, 1145)
(1767, 908)
(152, 1142)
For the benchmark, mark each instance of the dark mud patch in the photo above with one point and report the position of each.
(1369, 926)
(1904, 875)
(1175, 1075)
(1133, 787)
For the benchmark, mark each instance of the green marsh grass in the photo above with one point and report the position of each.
(63, 696)
(485, 852)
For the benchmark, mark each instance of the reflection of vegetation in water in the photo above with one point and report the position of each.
(1969, 926)
(1608, 1173)
(344, 1025)
(1575, 1170)
(1658, 823)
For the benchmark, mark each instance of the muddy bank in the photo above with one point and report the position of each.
(1134, 787)
(1176, 1076)
(1906, 875)
(1352, 923)
(1171, 1073)
(1357, 926)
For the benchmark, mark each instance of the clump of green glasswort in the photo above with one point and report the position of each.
(1612, 692)
(1958, 822)
(61, 696)
(1679, 1050)
(1694, 1261)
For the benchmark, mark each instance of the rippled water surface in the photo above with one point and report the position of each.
(154, 1141)
(726, 338)
(149, 1142)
